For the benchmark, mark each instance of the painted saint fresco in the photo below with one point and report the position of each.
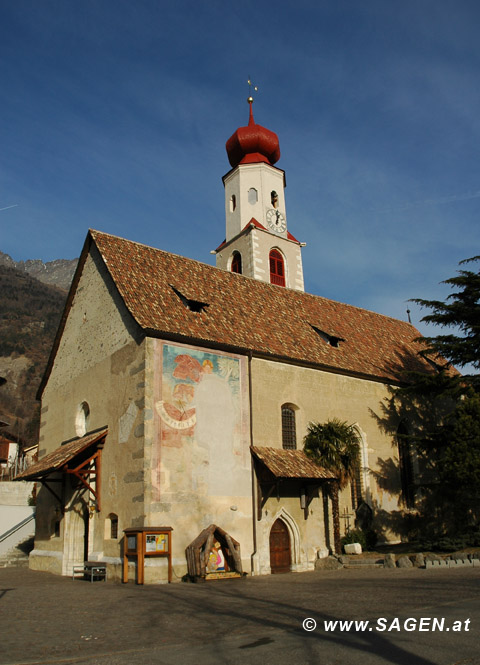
(200, 413)
(216, 559)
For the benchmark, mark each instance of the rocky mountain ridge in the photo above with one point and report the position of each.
(57, 273)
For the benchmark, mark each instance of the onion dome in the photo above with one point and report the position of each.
(252, 144)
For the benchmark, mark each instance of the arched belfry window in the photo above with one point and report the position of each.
(277, 268)
(289, 428)
(405, 459)
(236, 263)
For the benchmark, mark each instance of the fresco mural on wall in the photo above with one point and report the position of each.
(201, 415)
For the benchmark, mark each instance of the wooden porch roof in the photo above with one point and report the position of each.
(56, 460)
(290, 464)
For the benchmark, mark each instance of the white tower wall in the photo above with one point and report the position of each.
(264, 179)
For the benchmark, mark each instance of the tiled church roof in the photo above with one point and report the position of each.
(238, 313)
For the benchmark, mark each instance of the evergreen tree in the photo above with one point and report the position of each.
(461, 310)
(444, 408)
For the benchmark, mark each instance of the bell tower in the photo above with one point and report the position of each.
(258, 243)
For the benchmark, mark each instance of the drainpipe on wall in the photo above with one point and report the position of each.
(254, 497)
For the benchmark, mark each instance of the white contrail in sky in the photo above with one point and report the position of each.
(15, 205)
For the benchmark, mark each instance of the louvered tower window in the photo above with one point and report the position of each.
(277, 268)
(237, 263)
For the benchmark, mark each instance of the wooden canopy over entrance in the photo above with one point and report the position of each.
(80, 458)
(276, 466)
(210, 543)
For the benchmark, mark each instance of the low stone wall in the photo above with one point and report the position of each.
(15, 493)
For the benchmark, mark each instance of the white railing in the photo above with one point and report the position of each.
(13, 468)
(16, 528)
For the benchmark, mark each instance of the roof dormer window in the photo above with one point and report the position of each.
(192, 305)
(333, 340)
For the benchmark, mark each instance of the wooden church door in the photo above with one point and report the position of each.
(280, 548)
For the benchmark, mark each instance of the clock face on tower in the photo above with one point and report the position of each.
(276, 221)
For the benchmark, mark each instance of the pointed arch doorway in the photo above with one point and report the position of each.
(280, 552)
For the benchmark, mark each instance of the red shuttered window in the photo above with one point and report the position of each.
(277, 268)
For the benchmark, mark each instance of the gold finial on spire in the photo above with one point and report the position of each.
(255, 88)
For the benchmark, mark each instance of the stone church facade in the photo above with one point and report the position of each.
(178, 394)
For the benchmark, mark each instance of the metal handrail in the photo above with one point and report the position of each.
(15, 528)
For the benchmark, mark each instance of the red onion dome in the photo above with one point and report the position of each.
(252, 144)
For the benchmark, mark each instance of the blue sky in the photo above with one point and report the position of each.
(115, 114)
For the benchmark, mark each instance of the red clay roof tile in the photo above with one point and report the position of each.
(249, 315)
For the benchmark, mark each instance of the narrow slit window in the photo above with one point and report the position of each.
(114, 527)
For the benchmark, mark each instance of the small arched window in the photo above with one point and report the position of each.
(236, 263)
(82, 418)
(289, 429)
(111, 527)
(252, 196)
(277, 268)
(233, 203)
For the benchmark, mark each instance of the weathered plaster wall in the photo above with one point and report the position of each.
(319, 396)
(100, 361)
(199, 455)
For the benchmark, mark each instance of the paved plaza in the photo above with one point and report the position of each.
(417, 617)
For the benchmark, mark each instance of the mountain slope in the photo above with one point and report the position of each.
(29, 315)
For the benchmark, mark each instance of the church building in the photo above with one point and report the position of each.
(178, 394)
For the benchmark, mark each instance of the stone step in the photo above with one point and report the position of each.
(14, 563)
(364, 562)
(14, 560)
(17, 557)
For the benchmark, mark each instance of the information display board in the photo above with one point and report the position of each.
(151, 541)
